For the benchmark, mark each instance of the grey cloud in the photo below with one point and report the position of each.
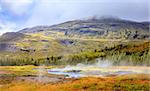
(48, 12)
(56, 11)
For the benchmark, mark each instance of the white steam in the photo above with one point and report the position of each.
(101, 68)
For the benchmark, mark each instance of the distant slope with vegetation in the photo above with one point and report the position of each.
(108, 28)
(78, 41)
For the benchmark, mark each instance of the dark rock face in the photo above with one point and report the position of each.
(66, 42)
(11, 36)
(27, 50)
(3, 46)
(7, 47)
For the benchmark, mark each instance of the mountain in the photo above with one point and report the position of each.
(76, 41)
(66, 33)
(72, 32)
(102, 28)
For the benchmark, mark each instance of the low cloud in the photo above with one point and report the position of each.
(55, 11)
(7, 27)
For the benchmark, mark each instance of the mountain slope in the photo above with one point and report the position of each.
(101, 28)
(74, 33)
(11, 36)
(78, 41)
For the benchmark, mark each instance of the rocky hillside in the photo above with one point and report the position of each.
(78, 41)
(99, 27)
(76, 33)
(11, 36)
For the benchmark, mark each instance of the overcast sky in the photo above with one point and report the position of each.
(18, 14)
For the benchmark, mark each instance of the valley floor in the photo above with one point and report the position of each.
(27, 78)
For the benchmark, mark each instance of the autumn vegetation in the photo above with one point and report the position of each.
(119, 83)
(125, 54)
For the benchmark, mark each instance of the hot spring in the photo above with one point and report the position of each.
(98, 69)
